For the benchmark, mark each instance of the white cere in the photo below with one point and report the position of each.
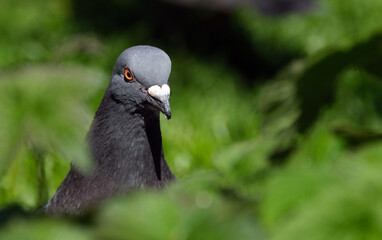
(159, 92)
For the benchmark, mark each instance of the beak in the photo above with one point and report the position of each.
(165, 108)
(161, 99)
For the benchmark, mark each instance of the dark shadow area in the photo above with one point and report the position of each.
(316, 86)
(12, 211)
(210, 34)
(279, 7)
(357, 138)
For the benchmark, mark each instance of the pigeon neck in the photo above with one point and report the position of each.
(127, 143)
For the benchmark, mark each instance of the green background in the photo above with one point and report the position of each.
(276, 129)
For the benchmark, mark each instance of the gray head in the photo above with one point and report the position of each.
(140, 79)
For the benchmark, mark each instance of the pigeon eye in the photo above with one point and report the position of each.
(128, 74)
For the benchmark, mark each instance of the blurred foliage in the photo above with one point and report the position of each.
(43, 115)
(291, 154)
(330, 24)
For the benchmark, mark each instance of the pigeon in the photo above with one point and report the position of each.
(124, 139)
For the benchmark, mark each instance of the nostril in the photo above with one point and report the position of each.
(144, 90)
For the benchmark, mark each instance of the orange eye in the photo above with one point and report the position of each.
(128, 74)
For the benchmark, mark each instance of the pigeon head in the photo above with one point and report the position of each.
(140, 79)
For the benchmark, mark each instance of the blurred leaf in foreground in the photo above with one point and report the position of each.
(43, 229)
(188, 210)
(43, 116)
